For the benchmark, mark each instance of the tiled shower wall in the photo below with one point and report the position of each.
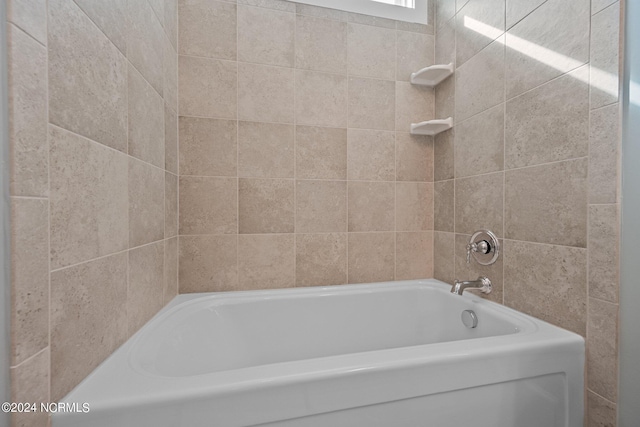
(93, 109)
(533, 156)
(296, 163)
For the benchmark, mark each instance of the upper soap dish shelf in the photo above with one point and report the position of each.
(431, 76)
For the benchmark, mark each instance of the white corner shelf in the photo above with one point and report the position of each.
(431, 76)
(431, 127)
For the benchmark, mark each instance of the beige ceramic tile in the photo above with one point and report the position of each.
(414, 206)
(414, 104)
(170, 140)
(208, 205)
(414, 157)
(321, 206)
(265, 150)
(89, 199)
(444, 256)
(480, 81)
(602, 349)
(208, 147)
(601, 412)
(265, 94)
(605, 56)
(146, 203)
(414, 27)
(207, 87)
(30, 16)
(548, 282)
(267, 261)
(170, 270)
(473, 270)
(598, 5)
(208, 263)
(414, 52)
(518, 9)
(171, 21)
(445, 42)
(321, 259)
(548, 203)
(321, 153)
(371, 51)
(479, 143)
(443, 209)
(604, 153)
(170, 205)
(549, 123)
(29, 277)
(145, 42)
(414, 255)
(282, 5)
(475, 14)
(146, 284)
(371, 206)
(146, 121)
(321, 99)
(445, 98)
(370, 20)
(88, 319)
(158, 9)
(372, 104)
(371, 257)
(266, 36)
(27, 79)
(170, 70)
(321, 44)
(370, 155)
(321, 12)
(443, 156)
(30, 383)
(604, 261)
(207, 28)
(550, 41)
(445, 10)
(479, 203)
(266, 205)
(87, 78)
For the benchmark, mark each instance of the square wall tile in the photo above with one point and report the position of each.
(208, 147)
(371, 206)
(170, 70)
(266, 36)
(29, 277)
(479, 203)
(488, 14)
(443, 156)
(208, 205)
(170, 290)
(414, 52)
(371, 257)
(207, 28)
(443, 205)
(371, 51)
(207, 87)
(266, 206)
(321, 153)
(414, 104)
(87, 78)
(445, 42)
(27, 79)
(604, 253)
(31, 16)
(170, 205)
(605, 56)
(604, 155)
(602, 349)
(321, 44)
(372, 104)
(321, 99)
(321, 206)
(146, 284)
(30, 383)
(208, 263)
(89, 199)
(321, 259)
(445, 98)
(601, 412)
(146, 121)
(518, 9)
(111, 18)
(170, 140)
(370, 155)
(265, 94)
(88, 319)
(146, 203)
(414, 255)
(479, 143)
(414, 157)
(145, 42)
(547, 204)
(414, 206)
(267, 261)
(444, 256)
(265, 150)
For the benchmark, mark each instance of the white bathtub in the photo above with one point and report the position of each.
(385, 354)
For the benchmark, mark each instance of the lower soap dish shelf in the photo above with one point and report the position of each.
(431, 127)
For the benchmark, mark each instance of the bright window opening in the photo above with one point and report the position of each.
(401, 10)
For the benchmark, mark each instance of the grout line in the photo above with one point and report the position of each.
(237, 177)
(18, 27)
(295, 141)
(28, 359)
(49, 327)
(588, 390)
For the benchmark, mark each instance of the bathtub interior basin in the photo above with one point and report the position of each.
(379, 354)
